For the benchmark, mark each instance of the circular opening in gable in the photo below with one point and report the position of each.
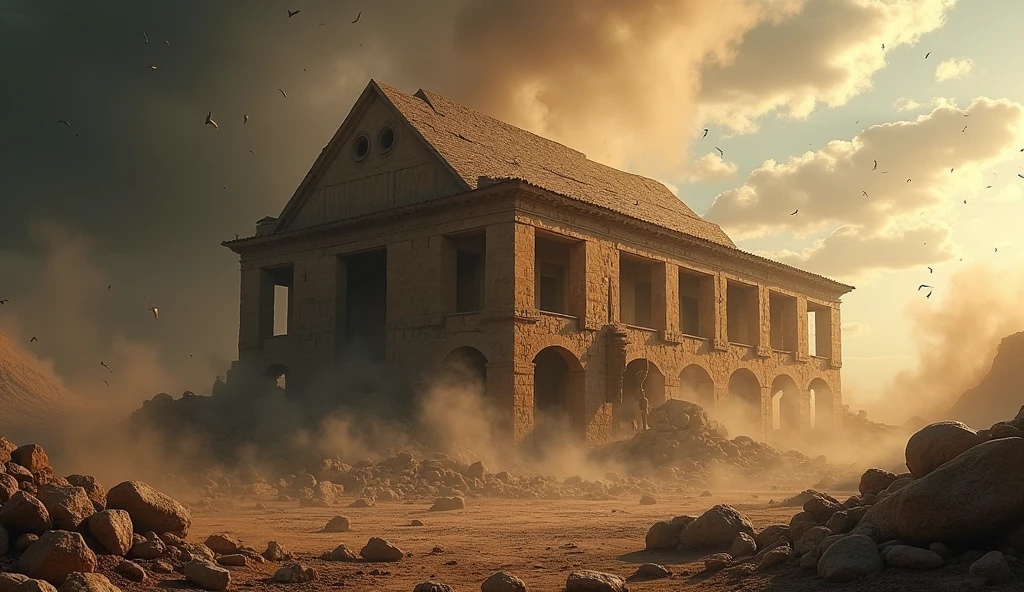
(360, 147)
(386, 139)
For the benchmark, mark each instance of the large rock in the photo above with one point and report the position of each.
(87, 582)
(68, 506)
(716, 529)
(432, 586)
(31, 585)
(850, 558)
(338, 524)
(503, 582)
(445, 504)
(378, 549)
(294, 573)
(974, 497)
(875, 480)
(113, 530)
(662, 535)
(937, 444)
(8, 486)
(586, 580)
(92, 488)
(32, 457)
(150, 510)
(993, 568)
(207, 575)
(223, 544)
(55, 555)
(909, 557)
(9, 581)
(25, 513)
(5, 541)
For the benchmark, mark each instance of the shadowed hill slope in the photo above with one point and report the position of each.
(29, 398)
(1000, 393)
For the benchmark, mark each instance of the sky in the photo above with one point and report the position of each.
(125, 209)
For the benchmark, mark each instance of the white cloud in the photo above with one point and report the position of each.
(953, 69)
(856, 329)
(905, 104)
(875, 215)
(711, 167)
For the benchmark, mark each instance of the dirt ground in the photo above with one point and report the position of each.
(539, 541)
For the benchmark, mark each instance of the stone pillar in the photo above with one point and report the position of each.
(672, 387)
(665, 296)
(510, 386)
(721, 395)
(578, 404)
(720, 339)
(836, 335)
(804, 399)
(615, 363)
(578, 296)
(764, 322)
(802, 346)
(766, 413)
(508, 270)
(249, 321)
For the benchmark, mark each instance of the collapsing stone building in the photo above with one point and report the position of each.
(428, 234)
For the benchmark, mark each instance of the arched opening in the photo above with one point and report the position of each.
(557, 397)
(465, 367)
(696, 386)
(743, 414)
(822, 405)
(785, 405)
(277, 374)
(640, 376)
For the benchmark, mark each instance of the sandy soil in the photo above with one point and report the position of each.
(539, 541)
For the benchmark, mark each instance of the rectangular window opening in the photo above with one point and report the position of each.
(783, 326)
(276, 301)
(551, 267)
(742, 313)
(696, 313)
(366, 284)
(470, 251)
(635, 294)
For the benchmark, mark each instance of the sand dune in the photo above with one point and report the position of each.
(30, 398)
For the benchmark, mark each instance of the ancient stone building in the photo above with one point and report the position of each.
(427, 233)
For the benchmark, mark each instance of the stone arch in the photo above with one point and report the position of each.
(278, 375)
(697, 386)
(744, 403)
(822, 404)
(785, 404)
(465, 366)
(558, 398)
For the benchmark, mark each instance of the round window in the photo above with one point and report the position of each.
(360, 147)
(386, 139)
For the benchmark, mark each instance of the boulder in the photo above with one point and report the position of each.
(973, 497)
(811, 539)
(662, 535)
(5, 541)
(31, 585)
(908, 557)
(23, 542)
(743, 546)
(776, 556)
(444, 504)
(432, 586)
(378, 549)
(8, 487)
(8, 581)
(92, 488)
(849, 559)
(822, 508)
(207, 575)
(222, 544)
(717, 562)
(936, 444)
(586, 580)
(841, 522)
(337, 524)
(68, 506)
(651, 571)
(875, 480)
(716, 529)
(275, 552)
(294, 573)
(55, 555)
(25, 513)
(342, 553)
(501, 582)
(993, 568)
(148, 549)
(150, 509)
(647, 500)
(233, 560)
(476, 470)
(87, 582)
(771, 534)
(32, 457)
(131, 571)
(112, 529)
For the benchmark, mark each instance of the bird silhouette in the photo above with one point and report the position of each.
(283, 93)
(720, 151)
(908, 179)
(105, 381)
(33, 340)
(145, 38)
(167, 42)
(1020, 175)
(4, 301)
(64, 121)
(245, 119)
(930, 270)
(929, 294)
(922, 286)
(997, 250)
(876, 165)
(794, 212)
(292, 13)
(104, 364)
(155, 311)
(357, 17)
(963, 130)
(705, 134)
(210, 121)
(865, 193)
(927, 54)
(152, 67)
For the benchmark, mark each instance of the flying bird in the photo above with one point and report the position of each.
(190, 354)
(927, 54)
(210, 121)
(1020, 175)
(988, 187)
(104, 364)
(883, 47)
(357, 17)
(930, 270)
(908, 179)
(145, 37)
(997, 250)
(929, 294)
(155, 311)
(245, 119)
(105, 381)
(865, 193)
(167, 42)
(152, 67)
(705, 134)
(963, 130)
(253, 153)
(5, 301)
(794, 212)
(108, 287)
(922, 286)
(876, 165)
(965, 202)
(283, 93)
(292, 13)
(33, 340)
(951, 171)
(64, 121)
(720, 151)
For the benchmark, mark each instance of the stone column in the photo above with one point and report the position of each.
(671, 387)
(764, 322)
(720, 339)
(836, 335)
(802, 345)
(766, 413)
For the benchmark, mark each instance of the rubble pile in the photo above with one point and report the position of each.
(959, 511)
(684, 444)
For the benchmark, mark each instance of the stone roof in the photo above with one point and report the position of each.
(481, 149)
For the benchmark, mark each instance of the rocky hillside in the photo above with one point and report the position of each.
(28, 397)
(1001, 392)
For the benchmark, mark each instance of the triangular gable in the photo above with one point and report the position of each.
(339, 145)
